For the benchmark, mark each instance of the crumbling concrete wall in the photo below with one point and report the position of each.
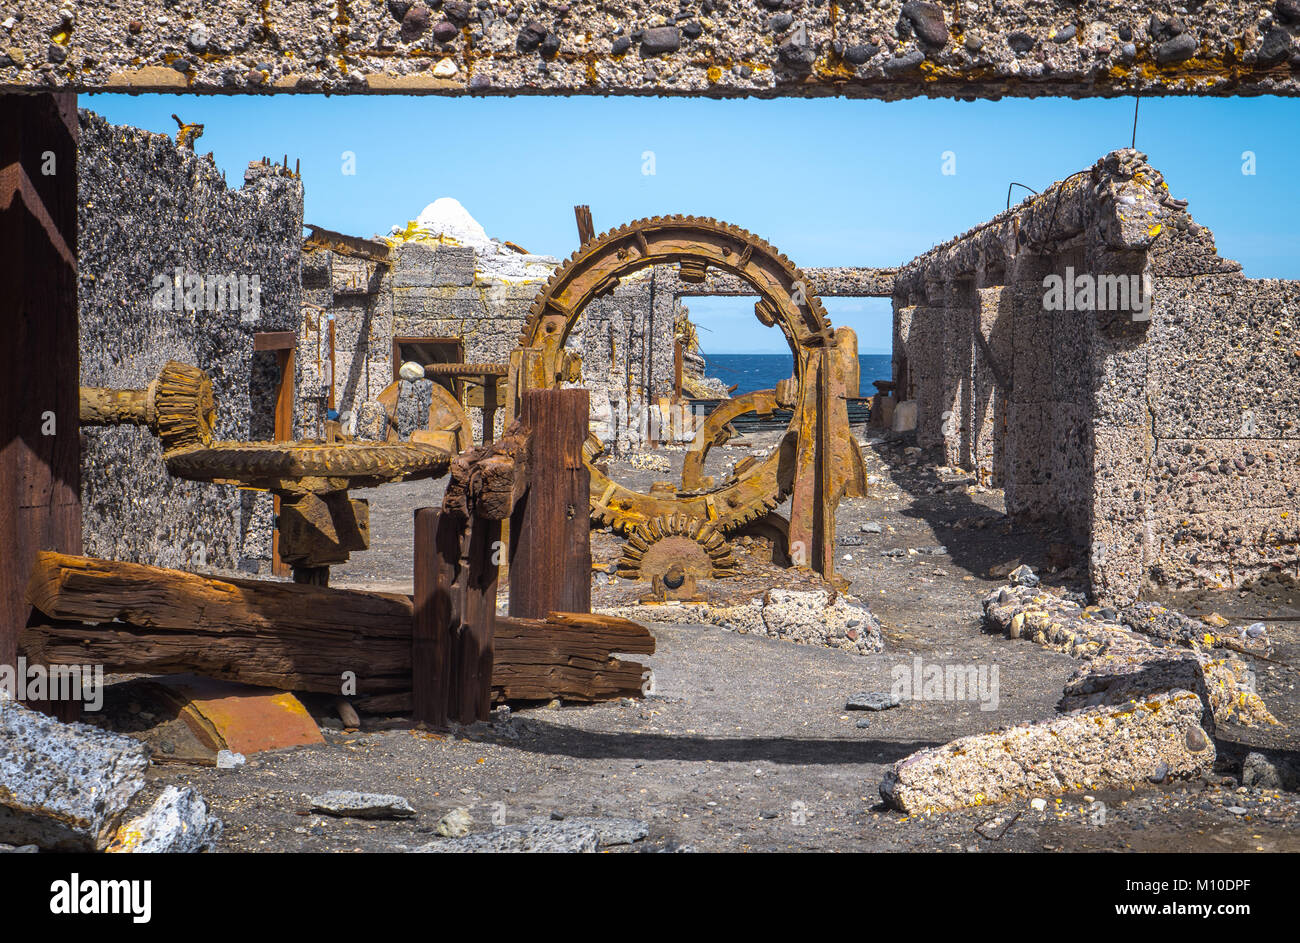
(1162, 430)
(720, 48)
(147, 209)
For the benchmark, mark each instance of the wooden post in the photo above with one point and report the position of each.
(454, 617)
(489, 409)
(586, 228)
(677, 370)
(40, 454)
(550, 529)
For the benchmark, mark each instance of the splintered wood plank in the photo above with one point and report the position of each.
(455, 608)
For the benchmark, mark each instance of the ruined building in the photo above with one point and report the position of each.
(1157, 415)
(1088, 351)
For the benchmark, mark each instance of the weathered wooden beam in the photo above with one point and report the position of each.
(455, 611)
(40, 454)
(550, 529)
(305, 638)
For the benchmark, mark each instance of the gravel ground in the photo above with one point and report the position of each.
(745, 745)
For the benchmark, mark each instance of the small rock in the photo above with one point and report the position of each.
(1038, 805)
(1196, 739)
(871, 701)
(361, 805)
(1161, 772)
(546, 837)
(856, 55)
(228, 759)
(661, 39)
(1021, 42)
(1023, 576)
(414, 23)
(530, 36)
(444, 31)
(863, 724)
(905, 63)
(871, 528)
(796, 51)
(1065, 35)
(1261, 772)
(455, 824)
(927, 21)
(1182, 46)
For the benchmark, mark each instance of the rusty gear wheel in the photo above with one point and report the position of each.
(695, 244)
(283, 466)
(668, 546)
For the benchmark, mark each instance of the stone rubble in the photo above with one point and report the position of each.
(1109, 747)
(177, 822)
(1142, 708)
(67, 787)
(347, 803)
(799, 616)
(1121, 661)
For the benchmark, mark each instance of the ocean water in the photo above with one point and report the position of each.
(761, 371)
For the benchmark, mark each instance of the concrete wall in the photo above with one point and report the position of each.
(1168, 444)
(147, 208)
(714, 48)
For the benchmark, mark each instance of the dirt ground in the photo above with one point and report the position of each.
(745, 744)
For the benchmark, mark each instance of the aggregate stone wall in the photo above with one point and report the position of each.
(883, 49)
(625, 339)
(1165, 439)
(147, 208)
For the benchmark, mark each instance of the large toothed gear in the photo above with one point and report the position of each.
(695, 244)
(675, 548)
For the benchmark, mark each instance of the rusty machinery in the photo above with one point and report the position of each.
(678, 534)
(675, 534)
(319, 523)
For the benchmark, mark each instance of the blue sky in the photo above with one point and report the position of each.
(828, 181)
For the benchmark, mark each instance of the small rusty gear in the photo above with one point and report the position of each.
(675, 548)
(183, 406)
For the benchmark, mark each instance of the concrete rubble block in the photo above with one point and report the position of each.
(1111, 747)
(802, 617)
(609, 831)
(63, 787)
(347, 803)
(538, 838)
(1120, 663)
(178, 823)
(1271, 772)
